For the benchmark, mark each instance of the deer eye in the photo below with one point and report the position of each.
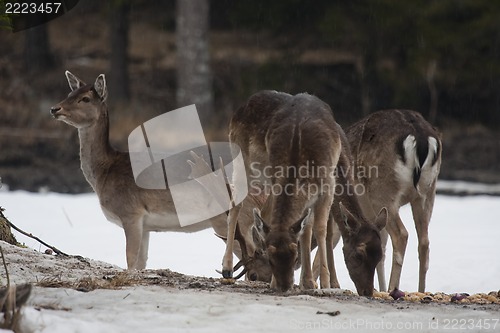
(86, 99)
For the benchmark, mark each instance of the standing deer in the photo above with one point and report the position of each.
(406, 152)
(277, 131)
(137, 210)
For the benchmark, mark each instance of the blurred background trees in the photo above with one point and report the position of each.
(437, 57)
(119, 86)
(194, 74)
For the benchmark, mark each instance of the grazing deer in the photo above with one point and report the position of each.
(281, 135)
(361, 236)
(405, 151)
(137, 210)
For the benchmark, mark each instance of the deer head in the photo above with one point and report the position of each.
(362, 248)
(82, 108)
(281, 247)
(256, 266)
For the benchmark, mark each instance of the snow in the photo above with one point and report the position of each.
(464, 258)
(463, 234)
(201, 311)
(467, 188)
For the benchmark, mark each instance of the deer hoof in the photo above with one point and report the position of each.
(308, 284)
(227, 281)
(227, 274)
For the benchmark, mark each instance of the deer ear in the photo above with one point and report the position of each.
(73, 81)
(299, 226)
(350, 222)
(259, 223)
(381, 219)
(258, 238)
(100, 87)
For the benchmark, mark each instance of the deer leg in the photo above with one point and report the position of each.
(273, 283)
(399, 238)
(315, 267)
(306, 279)
(143, 252)
(422, 210)
(133, 238)
(227, 260)
(332, 239)
(381, 265)
(321, 218)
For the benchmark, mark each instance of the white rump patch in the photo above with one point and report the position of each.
(429, 171)
(433, 148)
(404, 171)
(410, 147)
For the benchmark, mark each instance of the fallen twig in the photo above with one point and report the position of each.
(53, 248)
(330, 313)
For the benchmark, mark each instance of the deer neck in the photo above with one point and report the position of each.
(348, 193)
(95, 150)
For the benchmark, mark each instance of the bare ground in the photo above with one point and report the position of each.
(82, 274)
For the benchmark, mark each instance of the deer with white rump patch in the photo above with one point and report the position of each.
(137, 210)
(406, 152)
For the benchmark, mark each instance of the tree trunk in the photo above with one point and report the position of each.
(119, 90)
(194, 76)
(37, 55)
(5, 232)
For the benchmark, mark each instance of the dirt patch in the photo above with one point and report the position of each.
(85, 275)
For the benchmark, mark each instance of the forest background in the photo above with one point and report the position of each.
(441, 58)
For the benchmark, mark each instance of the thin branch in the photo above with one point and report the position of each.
(53, 248)
(5, 267)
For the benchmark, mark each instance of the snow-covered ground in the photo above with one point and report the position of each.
(464, 258)
(463, 232)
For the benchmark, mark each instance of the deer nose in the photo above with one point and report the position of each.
(366, 292)
(54, 109)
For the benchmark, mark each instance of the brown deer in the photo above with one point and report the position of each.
(277, 132)
(279, 135)
(405, 151)
(137, 210)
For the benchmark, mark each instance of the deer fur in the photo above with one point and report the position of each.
(137, 210)
(277, 130)
(406, 151)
